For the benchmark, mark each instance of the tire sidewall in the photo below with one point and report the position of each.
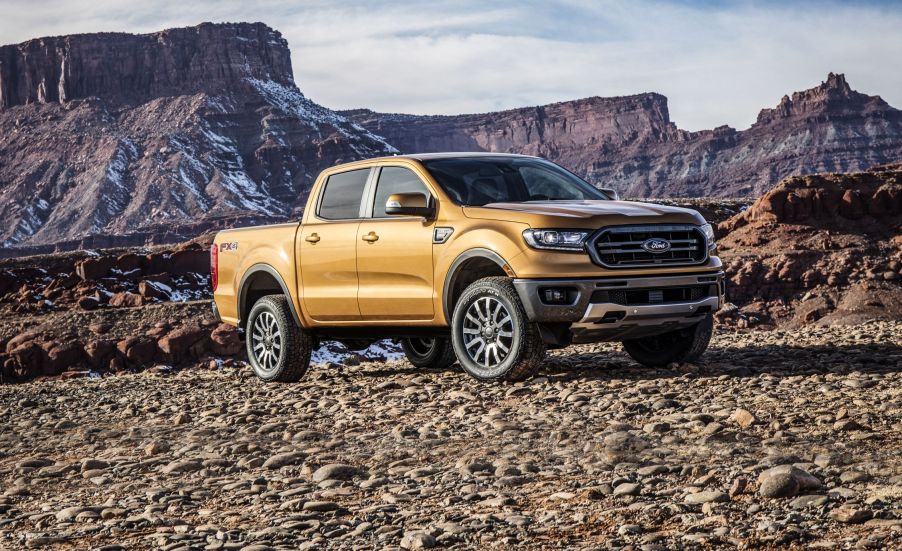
(690, 346)
(415, 355)
(472, 294)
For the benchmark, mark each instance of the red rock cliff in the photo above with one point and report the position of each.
(135, 68)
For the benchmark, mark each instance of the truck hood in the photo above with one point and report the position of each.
(585, 214)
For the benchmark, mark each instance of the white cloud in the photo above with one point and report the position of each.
(717, 63)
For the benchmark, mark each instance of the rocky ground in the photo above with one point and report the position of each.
(776, 438)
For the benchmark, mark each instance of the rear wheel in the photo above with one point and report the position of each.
(682, 345)
(429, 352)
(491, 335)
(277, 348)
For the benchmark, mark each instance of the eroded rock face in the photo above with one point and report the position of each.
(113, 139)
(631, 144)
(818, 249)
(135, 68)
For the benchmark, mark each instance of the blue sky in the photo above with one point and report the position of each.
(717, 62)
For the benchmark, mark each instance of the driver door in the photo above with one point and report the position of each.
(394, 254)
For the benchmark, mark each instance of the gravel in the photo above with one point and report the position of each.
(742, 449)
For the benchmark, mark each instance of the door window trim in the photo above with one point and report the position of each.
(370, 182)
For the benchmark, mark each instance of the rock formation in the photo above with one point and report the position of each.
(822, 248)
(112, 139)
(115, 139)
(630, 143)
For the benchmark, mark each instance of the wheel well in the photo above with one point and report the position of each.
(469, 271)
(258, 285)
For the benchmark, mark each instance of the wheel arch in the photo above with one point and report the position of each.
(260, 280)
(469, 266)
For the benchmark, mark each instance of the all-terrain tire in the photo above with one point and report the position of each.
(526, 350)
(429, 353)
(681, 345)
(270, 318)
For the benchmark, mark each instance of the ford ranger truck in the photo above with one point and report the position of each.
(486, 260)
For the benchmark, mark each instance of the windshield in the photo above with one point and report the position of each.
(477, 181)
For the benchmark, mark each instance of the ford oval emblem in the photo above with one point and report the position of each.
(656, 246)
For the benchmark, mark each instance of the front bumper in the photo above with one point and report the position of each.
(617, 308)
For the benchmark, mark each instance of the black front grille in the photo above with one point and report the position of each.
(622, 246)
(663, 295)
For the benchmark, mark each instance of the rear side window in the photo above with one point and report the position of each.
(395, 179)
(342, 195)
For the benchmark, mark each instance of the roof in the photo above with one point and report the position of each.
(351, 165)
(452, 155)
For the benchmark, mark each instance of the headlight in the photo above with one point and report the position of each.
(556, 240)
(709, 235)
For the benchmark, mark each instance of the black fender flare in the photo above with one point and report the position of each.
(243, 287)
(454, 271)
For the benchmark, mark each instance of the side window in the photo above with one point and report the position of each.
(342, 195)
(395, 179)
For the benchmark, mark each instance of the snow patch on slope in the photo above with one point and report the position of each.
(226, 159)
(33, 217)
(291, 101)
(114, 194)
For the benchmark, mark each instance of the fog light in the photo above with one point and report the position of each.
(555, 295)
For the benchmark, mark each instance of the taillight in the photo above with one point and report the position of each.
(214, 266)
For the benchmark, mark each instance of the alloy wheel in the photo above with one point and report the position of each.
(267, 341)
(488, 332)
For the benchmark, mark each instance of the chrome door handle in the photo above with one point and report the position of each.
(312, 238)
(371, 237)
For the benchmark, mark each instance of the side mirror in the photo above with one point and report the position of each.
(409, 204)
(610, 192)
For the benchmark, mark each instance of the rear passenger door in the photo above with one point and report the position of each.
(328, 239)
(394, 254)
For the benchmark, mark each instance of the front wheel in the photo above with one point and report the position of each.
(682, 345)
(491, 335)
(277, 348)
(429, 352)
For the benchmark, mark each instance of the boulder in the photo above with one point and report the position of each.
(154, 290)
(94, 268)
(190, 260)
(156, 263)
(26, 360)
(128, 262)
(851, 205)
(62, 356)
(137, 350)
(186, 342)
(744, 418)
(21, 338)
(786, 481)
(225, 341)
(126, 299)
(99, 352)
(8, 282)
(88, 303)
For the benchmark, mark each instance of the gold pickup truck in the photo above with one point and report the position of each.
(482, 259)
